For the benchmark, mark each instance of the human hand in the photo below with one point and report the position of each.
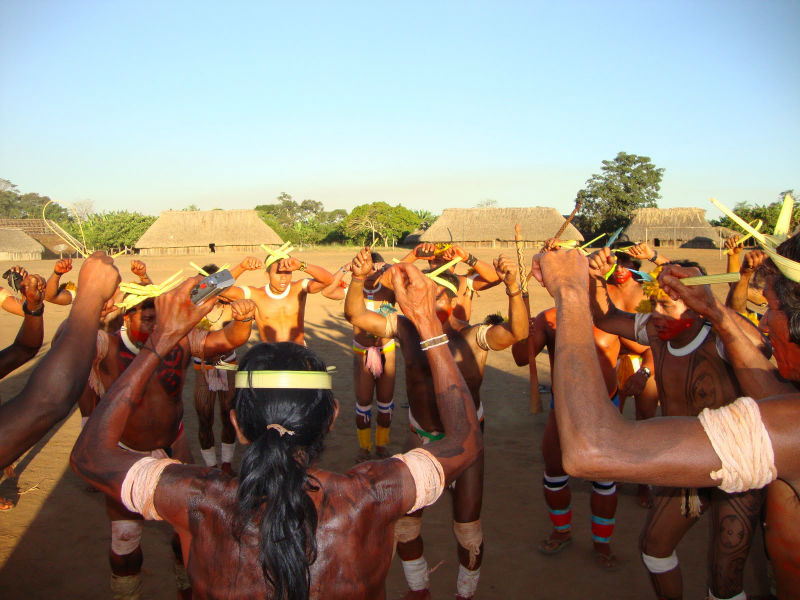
(33, 289)
(752, 261)
(732, 245)
(697, 297)
(362, 263)
(551, 244)
(251, 263)
(425, 251)
(455, 252)
(415, 293)
(243, 310)
(601, 262)
(560, 269)
(63, 266)
(176, 314)
(506, 269)
(635, 384)
(290, 264)
(98, 277)
(139, 269)
(641, 251)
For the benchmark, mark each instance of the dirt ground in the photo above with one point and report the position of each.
(54, 542)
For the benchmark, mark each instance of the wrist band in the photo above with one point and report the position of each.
(302, 266)
(512, 294)
(439, 340)
(34, 313)
(471, 260)
(247, 320)
(354, 278)
(655, 257)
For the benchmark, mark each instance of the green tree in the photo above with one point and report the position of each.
(426, 218)
(626, 183)
(116, 229)
(14, 205)
(767, 213)
(375, 222)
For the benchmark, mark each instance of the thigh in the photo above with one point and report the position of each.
(468, 492)
(665, 525)
(734, 519)
(385, 383)
(363, 381)
(203, 397)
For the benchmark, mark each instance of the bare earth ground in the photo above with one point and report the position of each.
(54, 543)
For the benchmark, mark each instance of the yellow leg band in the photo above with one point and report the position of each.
(381, 436)
(365, 438)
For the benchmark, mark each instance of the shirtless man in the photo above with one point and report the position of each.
(470, 347)
(214, 379)
(483, 275)
(687, 451)
(57, 381)
(155, 426)
(373, 362)
(557, 494)
(346, 551)
(64, 294)
(692, 373)
(281, 303)
(749, 286)
(634, 369)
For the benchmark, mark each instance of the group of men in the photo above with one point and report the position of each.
(651, 338)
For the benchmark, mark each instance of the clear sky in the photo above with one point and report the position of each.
(156, 105)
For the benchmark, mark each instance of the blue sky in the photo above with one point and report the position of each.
(157, 105)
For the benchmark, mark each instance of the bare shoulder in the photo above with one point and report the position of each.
(377, 483)
(194, 489)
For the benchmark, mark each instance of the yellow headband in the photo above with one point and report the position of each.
(434, 275)
(309, 380)
(278, 254)
(136, 293)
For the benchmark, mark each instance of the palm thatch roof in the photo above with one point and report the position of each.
(16, 244)
(672, 226)
(202, 228)
(495, 226)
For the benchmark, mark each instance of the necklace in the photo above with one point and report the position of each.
(274, 296)
(693, 345)
(123, 334)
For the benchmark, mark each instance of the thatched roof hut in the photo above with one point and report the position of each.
(206, 231)
(494, 227)
(18, 246)
(683, 227)
(37, 229)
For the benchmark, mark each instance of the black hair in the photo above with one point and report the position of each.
(493, 319)
(273, 479)
(625, 259)
(210, 268)
(788, 291)
(688, 264)
(376, 257)
(146, 303)
(447, 276)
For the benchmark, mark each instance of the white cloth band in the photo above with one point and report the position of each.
(245, 291)
(226, 452)
(640, 328)
(742, 443)
(209, 456)
(467, 582)
(427, 473)
(416, 572)
(139, 486)
(305, 283)
(480, 337)
(125, 536)
(660, 565)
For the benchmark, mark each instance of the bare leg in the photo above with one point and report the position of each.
(228, 432)
(364, 385)
(384, 391)
(557, 494)
(663, 530)
(734, 518)
(646, 408)
(204, 404)
(467, 503)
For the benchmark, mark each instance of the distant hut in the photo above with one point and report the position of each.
(18, 246)
(39, 230)
(206, 231)
(675, 227)
(494, 227)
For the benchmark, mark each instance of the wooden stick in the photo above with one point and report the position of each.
(535, 397)
(569, 219)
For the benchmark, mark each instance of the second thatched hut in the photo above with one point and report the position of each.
(206, 231)
(18, 246)
(494, 227)
(673, 227)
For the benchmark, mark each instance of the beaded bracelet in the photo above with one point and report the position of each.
(439, 340)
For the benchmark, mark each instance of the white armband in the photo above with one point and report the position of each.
(305, 283)
(139, 486)
(640, 328)
(245, 291)
(427, 473)
(480, 337)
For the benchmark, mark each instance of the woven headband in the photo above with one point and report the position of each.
(300, 380)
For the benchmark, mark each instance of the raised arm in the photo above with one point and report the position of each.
(462, 437)
(644, 252)
(236, 292)
(139, 269)
(596, 441)
(605, 314)
(756, 374)
(54, 292)
(739, 291)
(31, 333)
(504, 334)
(320, 278)
(487, 277)
(538, 330)
(96, 456)
(10, 304)
(235, 333)
(355, 310)
(335, 290)
(59, 378)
